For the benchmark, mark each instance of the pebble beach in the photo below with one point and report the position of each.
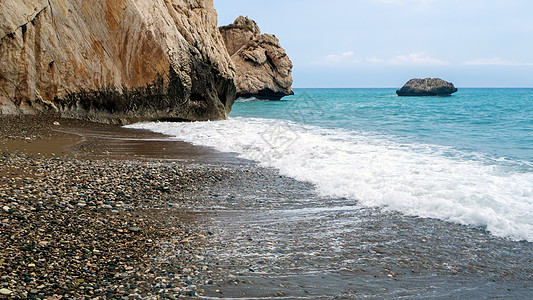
(91, 211)
(74, 228)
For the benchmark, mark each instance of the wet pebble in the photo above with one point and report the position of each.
(82, 238)
(5, 292)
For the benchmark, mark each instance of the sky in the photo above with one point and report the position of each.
(384, 43)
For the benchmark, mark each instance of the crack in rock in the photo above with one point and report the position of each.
(23, 26)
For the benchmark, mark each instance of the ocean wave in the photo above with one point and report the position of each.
(414, 179)
(247, 99)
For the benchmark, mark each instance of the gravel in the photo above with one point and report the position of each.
(96, 228)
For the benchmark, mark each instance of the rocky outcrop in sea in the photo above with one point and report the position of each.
(263, 69)
(114, 61)
(427, 87)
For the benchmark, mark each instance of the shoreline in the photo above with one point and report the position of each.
(82, 139)
(87, 209)
(126, 224)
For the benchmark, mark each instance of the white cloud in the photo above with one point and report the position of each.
(344, 57)
(496, 61)
(347, 54)
(416, 59)
(349, 57)
(375, 60)
(336, 58)
(409, 59)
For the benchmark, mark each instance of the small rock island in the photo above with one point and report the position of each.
(427, 87)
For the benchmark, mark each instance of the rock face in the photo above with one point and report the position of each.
(115, 61)
(263, 69)
(427, 87)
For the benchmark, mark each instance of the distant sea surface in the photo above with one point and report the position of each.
(466, 159)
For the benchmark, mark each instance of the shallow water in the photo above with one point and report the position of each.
(414, 179)
(99, 141)
(273, 237)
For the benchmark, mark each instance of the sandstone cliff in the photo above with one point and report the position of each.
(263, 69)
(116, 61)
(427, 87)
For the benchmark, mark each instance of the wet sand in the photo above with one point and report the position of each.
(88, 140)
(113, 213)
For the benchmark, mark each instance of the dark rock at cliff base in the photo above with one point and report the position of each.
(116, 61)
(263, 69)
(427, 87)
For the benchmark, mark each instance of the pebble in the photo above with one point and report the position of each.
(134, 229)
(171, 297)
(5, 292)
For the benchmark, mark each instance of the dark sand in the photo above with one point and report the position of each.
(97, 211)
(88, 140)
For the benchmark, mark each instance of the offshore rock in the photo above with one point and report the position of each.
(263, 69)
(114, 61)
(427, 87)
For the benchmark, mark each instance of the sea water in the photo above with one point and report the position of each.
(466, 159)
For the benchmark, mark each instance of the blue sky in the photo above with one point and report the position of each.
(383, 43)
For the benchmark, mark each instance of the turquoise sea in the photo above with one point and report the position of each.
(465, 159)
(493, 122)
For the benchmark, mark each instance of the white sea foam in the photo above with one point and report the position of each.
(249, 99)
(418, 180)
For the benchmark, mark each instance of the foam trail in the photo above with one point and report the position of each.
(419, 180)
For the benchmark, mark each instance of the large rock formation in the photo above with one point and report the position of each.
(263, 68)
(116, 61)
(427, 87)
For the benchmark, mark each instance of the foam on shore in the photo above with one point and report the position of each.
(415, 179)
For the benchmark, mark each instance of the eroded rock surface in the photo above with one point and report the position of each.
(115, 61)
(427, 87)
(263, 69)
